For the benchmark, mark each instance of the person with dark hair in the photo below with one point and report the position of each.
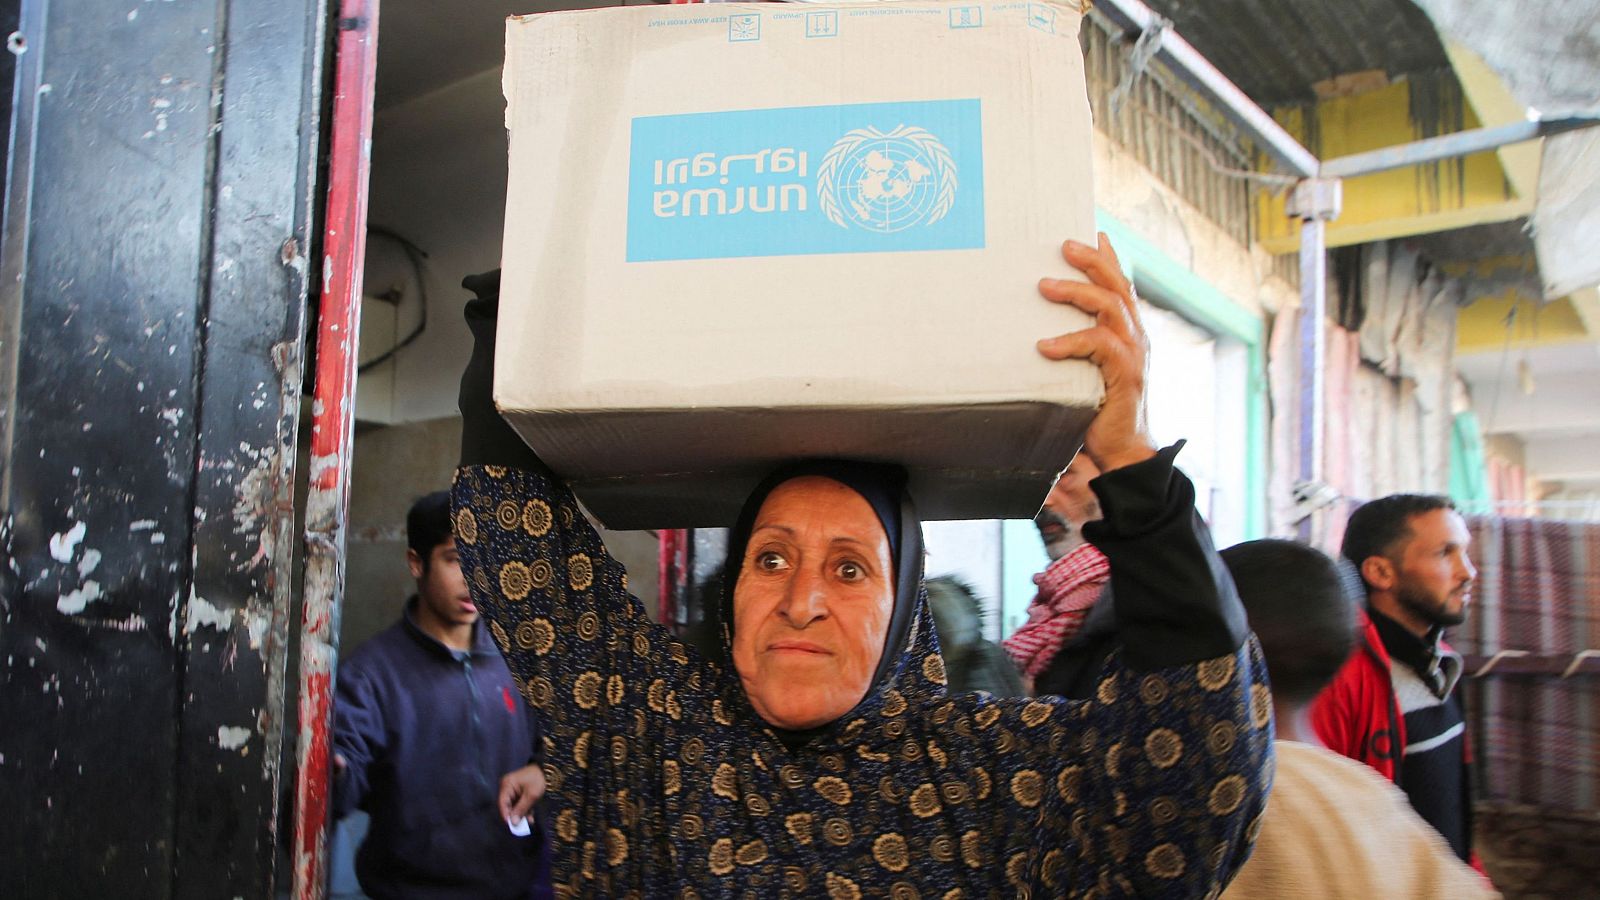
(818, 750)
(1333, 827)
(1393, 705)
(431, 738)
(972, 662)
(1070, 630)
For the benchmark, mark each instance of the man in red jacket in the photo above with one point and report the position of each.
(1393, 705)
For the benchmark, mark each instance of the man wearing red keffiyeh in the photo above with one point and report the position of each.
(1072, 583)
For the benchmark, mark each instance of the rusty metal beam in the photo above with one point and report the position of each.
(333, 429)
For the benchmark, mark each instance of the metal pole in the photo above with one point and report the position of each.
(1315, 202)
(333, 430)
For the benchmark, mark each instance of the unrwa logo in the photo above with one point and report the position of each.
(886, 182)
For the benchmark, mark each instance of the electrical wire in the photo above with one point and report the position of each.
(415, 255)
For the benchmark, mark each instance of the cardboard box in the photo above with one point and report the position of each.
(738, 234)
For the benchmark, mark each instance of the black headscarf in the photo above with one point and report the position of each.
(884, 488)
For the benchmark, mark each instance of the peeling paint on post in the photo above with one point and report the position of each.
(150, 335)
(332, 430)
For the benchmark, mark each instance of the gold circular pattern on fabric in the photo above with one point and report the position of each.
(1153, 690)
(495, 471)
(719, 714)
(794, 879)
(937, 754)
(515, 581)
(1069, 784)
(586, 690)
(799, 827)
(910, 752)
(1114, 760)
(588, 625)
(1005, 741)
(655, 696)
(942, 848)
(791, 777)
(671, 776)
(933, 669)
(1036, 713)
(1017, 868)
(720, 859)
(536, 518)
(842, 888)
(692, 752)
(894, 729)
(466, 527)
(541, 572)
(751, 854)
(1163, 810)
(1163, 747)
(954, 793)
(674, 711)
(757, 805)
(725, 783)
(616, 847)
(954, 894)
(678, 653)
(833, 762)
(540, 691)
(834, 790)
(500, 639)
(1260, 705)
(580, 571)
(615, 690)
(890, 851)
(987, 716)
(1220, 738)
(1226, 796)
(1106, 692)
(894, 703)
(889, 789)
(508, 515)
(641, 645)
(1027, 788)
(619, 751)
(942, 713)
(972, 850)
(1214, 674)
(1050, 869)
(480, 580)
(902, 891)
(837, 832)
(1165, 861)
(566, 517)
(567, 826)
(1253, 830)
(580, 749)
(690, 827)
(525, 635)
(925, 801)
(985, 784)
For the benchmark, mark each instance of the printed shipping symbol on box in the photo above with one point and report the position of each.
(829, 248)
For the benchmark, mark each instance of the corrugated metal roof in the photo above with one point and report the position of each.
(1275, 50)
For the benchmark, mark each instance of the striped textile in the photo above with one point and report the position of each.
(1067, 589)
(1536, 737)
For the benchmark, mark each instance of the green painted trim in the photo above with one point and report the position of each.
(1175, 286)
(1164, 281)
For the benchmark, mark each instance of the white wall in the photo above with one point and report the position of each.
(439, 179)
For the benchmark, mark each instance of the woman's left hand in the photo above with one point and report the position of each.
(1119, 435)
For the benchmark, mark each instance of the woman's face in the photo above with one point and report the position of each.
(812, 604)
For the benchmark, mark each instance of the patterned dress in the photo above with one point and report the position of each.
(664, 782)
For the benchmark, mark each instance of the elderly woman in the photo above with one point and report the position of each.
(820, 753)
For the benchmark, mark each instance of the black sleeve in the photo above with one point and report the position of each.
(486, 439)
(1175, 602)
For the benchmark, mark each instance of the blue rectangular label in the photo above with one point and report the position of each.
(859, 178)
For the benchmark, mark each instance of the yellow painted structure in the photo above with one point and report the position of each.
(1423, 199)
(1484, 324)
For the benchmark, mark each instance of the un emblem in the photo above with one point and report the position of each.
(886, 182)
